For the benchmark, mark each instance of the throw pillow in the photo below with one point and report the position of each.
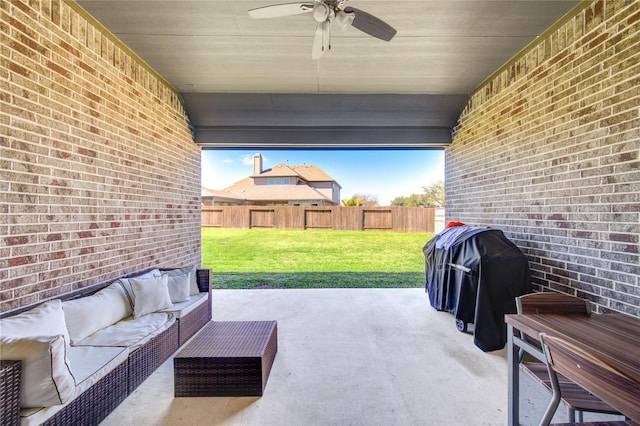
(151, 295)
(46, 374)
(179, 287)
(43, 320)
(193, 284)
(124, 282)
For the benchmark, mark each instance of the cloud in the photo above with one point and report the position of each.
(247, 159)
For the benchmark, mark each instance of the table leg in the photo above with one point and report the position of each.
(513, 380)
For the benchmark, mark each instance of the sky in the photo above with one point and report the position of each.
(386, 174)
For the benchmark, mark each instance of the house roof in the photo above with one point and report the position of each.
(312, 173)
(308, 172)
(280, 170)
(220, 195)
(283, 193)
(246, 188)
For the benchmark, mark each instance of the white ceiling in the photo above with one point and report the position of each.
(245, 75)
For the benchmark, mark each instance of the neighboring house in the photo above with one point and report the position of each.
(305, 185)
(212, 197)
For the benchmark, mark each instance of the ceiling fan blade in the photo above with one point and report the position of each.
(371, 25)
(317, 50)
(278, 10)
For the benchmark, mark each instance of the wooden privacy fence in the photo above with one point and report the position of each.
(398, 219)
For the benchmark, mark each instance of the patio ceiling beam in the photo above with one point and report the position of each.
(322, 137)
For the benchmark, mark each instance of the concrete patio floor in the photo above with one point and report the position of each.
(350, 357)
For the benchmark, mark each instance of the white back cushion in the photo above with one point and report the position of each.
(44, 320)
(89, 314)
(46, 374)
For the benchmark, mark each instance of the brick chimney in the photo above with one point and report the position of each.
(257, 164)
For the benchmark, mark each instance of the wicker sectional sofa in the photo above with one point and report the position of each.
(74, 359)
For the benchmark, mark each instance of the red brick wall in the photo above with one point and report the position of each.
(99, 173)
(548, 151)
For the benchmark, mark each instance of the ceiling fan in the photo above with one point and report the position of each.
(325, 12)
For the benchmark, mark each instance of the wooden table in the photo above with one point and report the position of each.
(226, 358)
(613, 338)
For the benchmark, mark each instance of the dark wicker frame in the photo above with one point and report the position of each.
(93, 405)
(10, 374)
(147, 358)
(191, 323)
(227, 358)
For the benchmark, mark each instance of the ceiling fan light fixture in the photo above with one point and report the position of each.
(325, 12)
(321, 12)
(344, 19)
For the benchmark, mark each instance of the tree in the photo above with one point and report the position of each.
(369, 200)
(399, 201)
(433, 196)
(413, 200)
(351, 202)
(416, 200)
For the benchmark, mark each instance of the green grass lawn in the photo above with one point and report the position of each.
(268, 258)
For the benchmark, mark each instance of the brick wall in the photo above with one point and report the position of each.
(548, 151)
(99, 173)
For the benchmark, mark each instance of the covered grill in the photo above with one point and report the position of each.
(476, 273)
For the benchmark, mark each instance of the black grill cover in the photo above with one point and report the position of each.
(476, 273)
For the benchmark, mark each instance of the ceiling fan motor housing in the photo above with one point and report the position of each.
(325, 12)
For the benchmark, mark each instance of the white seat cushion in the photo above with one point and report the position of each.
(91, 363)
(130, 332)
(183, 308)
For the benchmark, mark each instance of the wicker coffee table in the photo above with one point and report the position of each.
(226, 358)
